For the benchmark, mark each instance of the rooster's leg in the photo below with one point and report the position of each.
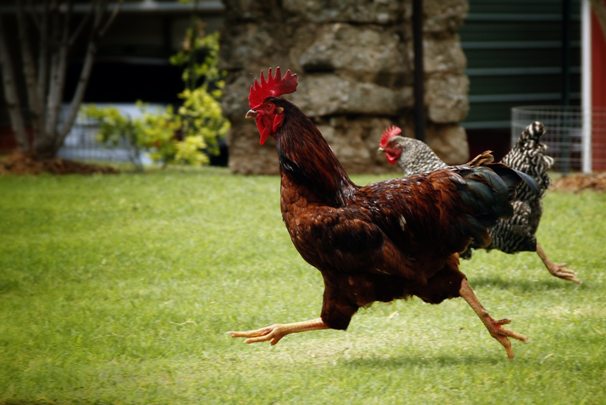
(274, 333)
(494, 327)
(557, 270)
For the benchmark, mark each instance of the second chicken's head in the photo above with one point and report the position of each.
(267, 114)
(390, 144)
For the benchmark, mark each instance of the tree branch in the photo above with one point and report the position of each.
(96, 31)
(58, 71)
(110, 19)
(80, 89)
(81, 26)
(87, 67)
(32, 11)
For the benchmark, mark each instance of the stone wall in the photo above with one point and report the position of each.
(354, 61)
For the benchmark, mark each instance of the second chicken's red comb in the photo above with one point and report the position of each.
(388, 134)
(274, 86)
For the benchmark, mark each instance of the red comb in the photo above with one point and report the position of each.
(274, 86)
(388, 134)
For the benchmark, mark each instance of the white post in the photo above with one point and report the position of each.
(586, 107)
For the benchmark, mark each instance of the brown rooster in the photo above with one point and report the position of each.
(388, 240)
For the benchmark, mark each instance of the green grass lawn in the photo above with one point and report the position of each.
(120, 289)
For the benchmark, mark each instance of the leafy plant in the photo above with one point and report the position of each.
(116, 128)
(187, 134)
(195, 44)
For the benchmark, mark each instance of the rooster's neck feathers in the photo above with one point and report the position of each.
(307, 159)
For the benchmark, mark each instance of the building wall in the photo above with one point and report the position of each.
(354, 60)
(514, 53)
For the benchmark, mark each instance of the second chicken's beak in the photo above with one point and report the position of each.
(251, 113)
(380, 150)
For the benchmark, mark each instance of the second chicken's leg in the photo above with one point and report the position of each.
(493, 326)
(557, 270)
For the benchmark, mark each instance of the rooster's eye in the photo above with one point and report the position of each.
(269, 108)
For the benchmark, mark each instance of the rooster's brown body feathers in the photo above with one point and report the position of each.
(387, 240)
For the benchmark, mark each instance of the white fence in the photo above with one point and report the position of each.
(82, 143)
(575, 138)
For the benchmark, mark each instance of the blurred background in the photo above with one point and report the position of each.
(484, 69)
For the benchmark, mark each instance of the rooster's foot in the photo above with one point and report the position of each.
(275, 332)
(502, 335)
(494, 327)
(272, 333)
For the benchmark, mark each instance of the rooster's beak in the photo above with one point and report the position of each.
(251, 113)
(380, 150)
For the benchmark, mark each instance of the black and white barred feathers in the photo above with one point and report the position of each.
(528, 155)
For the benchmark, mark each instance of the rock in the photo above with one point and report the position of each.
(330, 94)
(440, 17)
(246, 155)
(322, 95)
(446, 98)
(444, 15)
(365, 53)
(449, 142)
(370, 12)
(240, 49)
(235, 96)
(443, 55)
(355, 142)
(252, 10)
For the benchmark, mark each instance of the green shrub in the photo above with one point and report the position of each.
(188, 134)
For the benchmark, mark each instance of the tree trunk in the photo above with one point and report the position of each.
(43, 53)
(11, 95)
(45, 63)
(29, 69)
(59, 34)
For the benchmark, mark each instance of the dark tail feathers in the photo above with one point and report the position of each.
(513, 177)
(487, 193)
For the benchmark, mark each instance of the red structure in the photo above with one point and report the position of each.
(598, 94)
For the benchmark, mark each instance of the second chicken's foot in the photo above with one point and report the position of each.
(563, 272)
(556, 269)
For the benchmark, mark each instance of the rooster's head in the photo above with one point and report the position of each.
(267, 114)
(389, 144)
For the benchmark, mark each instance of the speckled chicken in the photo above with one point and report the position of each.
(380, 242)
(510, 235)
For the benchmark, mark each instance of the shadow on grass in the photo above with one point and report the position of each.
(523, 286)
(525, 360)
(407, 361)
